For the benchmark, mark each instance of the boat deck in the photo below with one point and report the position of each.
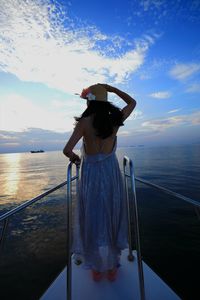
(125, 287)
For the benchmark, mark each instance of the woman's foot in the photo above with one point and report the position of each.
(112, 274)
(97, 276)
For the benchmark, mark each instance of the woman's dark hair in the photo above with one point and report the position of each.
(106, 117)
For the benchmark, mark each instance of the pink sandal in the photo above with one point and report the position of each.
(97, 276)
(112, 274)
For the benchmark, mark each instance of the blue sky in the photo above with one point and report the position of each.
(52, 49)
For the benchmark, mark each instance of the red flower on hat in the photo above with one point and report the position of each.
(84, 93)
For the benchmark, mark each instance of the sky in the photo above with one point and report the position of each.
(50, 50)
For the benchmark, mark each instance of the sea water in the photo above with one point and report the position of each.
(36, 238)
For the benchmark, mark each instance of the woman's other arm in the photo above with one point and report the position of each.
(73, 140)
(131, 103)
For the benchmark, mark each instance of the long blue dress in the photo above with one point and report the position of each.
(100, 229)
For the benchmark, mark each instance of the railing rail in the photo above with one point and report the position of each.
(5, 217)
(33, 200)
(169, 192)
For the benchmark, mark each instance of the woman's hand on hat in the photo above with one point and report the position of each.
(108, 88)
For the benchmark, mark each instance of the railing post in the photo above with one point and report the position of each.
(136, 224)
(69, 227)
(3, 233)
(130, 256)
(77, 178)
(69, 271)
(137, 234)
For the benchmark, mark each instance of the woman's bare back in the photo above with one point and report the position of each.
(94, 144)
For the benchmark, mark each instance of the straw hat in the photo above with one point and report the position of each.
(95, 92)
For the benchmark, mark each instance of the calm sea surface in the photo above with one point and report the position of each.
(34, 251)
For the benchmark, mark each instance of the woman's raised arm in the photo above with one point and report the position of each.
(131, 103)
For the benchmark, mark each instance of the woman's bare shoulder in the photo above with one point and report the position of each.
(85, 124)
(87, 121)
(83, 121)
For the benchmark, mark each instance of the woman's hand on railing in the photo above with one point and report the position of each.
(75, 159)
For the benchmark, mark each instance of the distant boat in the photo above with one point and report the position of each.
(37, 151)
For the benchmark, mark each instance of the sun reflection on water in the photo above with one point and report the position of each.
(26, 175)
(11, 175)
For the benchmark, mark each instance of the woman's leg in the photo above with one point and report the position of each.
(113, 258)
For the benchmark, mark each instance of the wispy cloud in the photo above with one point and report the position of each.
(154, 68)
(40, 43)
(163, 124)
(161, 95)
(144, 76)
(193, 88)
(184, 71)
(137, 114)
(7, 136)
(173, 111)
(161, 12)
(124, 133)
(195, 120)
(151, 4)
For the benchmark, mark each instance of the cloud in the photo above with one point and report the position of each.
(32, 139)
(137, 114)
(19, 113)
(173, 111)
(40, 43)
(195, 120)
(160, 13)
(163, 124)
(193, 88)
(184, 71)
(144, 77)
(7, 136)
(161, 95)
(151, 4)
(124, 133)
(154, 68)
(151, 132)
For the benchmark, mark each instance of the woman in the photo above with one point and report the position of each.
(100, 227)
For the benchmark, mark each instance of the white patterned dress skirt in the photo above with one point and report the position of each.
(100, 224)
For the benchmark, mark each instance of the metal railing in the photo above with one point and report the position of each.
(128, 163)
(133, 179)
(169, 192)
